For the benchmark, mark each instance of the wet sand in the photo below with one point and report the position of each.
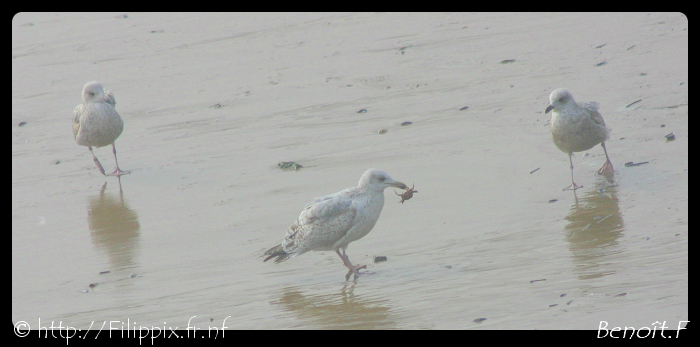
(210, 112)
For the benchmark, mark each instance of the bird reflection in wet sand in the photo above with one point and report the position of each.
(593, 230)
(332, 221)
(577, 127)
(114, 228)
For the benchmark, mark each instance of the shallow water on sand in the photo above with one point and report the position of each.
(210, 112)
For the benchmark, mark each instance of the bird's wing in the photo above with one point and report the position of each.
(323, 221)
(328, 206)
(77, 113)
(109, 98)
(592, 109)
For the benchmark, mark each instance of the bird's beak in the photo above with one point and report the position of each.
(549, 108)
(399, 185)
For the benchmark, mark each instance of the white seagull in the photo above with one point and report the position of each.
(577, 127)
(332, 221)
(96, 123)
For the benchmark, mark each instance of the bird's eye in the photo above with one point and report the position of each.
(91, 94)
(381, 178)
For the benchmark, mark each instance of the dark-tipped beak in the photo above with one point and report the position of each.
(399, 185)
(549, 108)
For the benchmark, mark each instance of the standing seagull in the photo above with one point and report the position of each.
(331, 222)
(97, 124)
(577, 127)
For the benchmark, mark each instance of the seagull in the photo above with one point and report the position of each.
(332, 221)
(577, 127)
(96, 123)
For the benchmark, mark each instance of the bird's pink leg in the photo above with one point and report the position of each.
(353, 268)
(607, 168)
(117, 171)
(573, 185)
(97, 162)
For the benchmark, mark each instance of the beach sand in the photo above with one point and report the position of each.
(212, 102)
